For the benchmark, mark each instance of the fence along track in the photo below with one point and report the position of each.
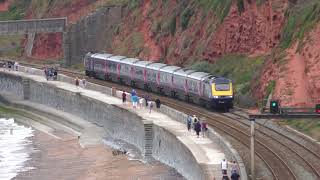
(316, 170)
(275, 168)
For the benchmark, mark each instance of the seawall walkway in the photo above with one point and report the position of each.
(156, 135)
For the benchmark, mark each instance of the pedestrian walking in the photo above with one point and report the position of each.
(225, 177)
(46, 73)
(234, 167)
(141, 102)
(147, 98)
(124, 97)
(77, 83)
(134, 100)
(235, 175)
(224, 166)
(4, 66)
(9, 65)
(14, 65)
(158, 103)
(203, 128)
(133, 92)
(84, 82)
(189, 122)
(194, 121)
(150, 106)
(197, 128)
(17, 66)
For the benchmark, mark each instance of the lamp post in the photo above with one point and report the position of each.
(252, 120)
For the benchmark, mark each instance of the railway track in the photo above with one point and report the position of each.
(308, 152)
(228, 123)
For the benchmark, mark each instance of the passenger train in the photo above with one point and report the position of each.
(198, 87)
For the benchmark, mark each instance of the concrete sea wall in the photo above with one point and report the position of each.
(119, 123)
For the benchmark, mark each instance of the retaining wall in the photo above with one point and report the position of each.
(120, 123)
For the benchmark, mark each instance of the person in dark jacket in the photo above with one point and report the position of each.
(235, 175)
(189, 122)
(147, 99)
(225, 177)
(158, 103)
(197, 128)
(124, 97)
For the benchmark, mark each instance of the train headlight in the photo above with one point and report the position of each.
(229, 96)
(215, 97)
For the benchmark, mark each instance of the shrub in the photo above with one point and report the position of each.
(301, 19)
(185, 17)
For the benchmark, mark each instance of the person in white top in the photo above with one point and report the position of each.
(224, 166)
(141, 102)
(83, 82)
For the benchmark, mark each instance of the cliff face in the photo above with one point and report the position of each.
(178, 32)
(275, 40)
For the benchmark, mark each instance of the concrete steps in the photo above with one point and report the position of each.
(148, 139)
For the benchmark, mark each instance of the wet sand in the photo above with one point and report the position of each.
(65, 159)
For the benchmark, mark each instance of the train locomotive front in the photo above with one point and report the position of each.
(221, 93)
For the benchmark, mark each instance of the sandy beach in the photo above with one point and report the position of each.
(65, 159)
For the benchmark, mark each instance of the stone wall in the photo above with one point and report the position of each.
(92, 33)
(118, 123)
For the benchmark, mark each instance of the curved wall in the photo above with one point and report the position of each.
(119, 123)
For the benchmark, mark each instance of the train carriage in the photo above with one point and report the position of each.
(153, 76)
(96, 64)
(166, 79)
(180, 83)
(141, 74)
(195, 86)
(113, 68)
(127, 72)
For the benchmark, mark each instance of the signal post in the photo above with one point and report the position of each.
(278, 112)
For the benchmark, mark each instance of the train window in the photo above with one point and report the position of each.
(222, 87)
(139, 72)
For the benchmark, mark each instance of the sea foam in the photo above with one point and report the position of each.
(14, 151)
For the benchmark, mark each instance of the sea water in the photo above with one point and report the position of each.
(15, 143)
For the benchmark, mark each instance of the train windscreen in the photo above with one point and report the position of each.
(222, 87)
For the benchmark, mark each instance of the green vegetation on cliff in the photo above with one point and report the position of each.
(310, 127)
(16, 10)
(301, 18)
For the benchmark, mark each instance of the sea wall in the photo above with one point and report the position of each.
(150, 139)
(118, 123)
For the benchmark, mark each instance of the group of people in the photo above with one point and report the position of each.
(140, 100)
(194, 122)
(234, 170)
(51, 72)
(11, 65)
(80, 82)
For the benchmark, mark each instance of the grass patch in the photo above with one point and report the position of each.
(270, 88)
(5, 110)
(16, 10)
(301, 19)
(309, 127)
(78, 67)
(185, 17)
(220, 8)
(131, 46)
